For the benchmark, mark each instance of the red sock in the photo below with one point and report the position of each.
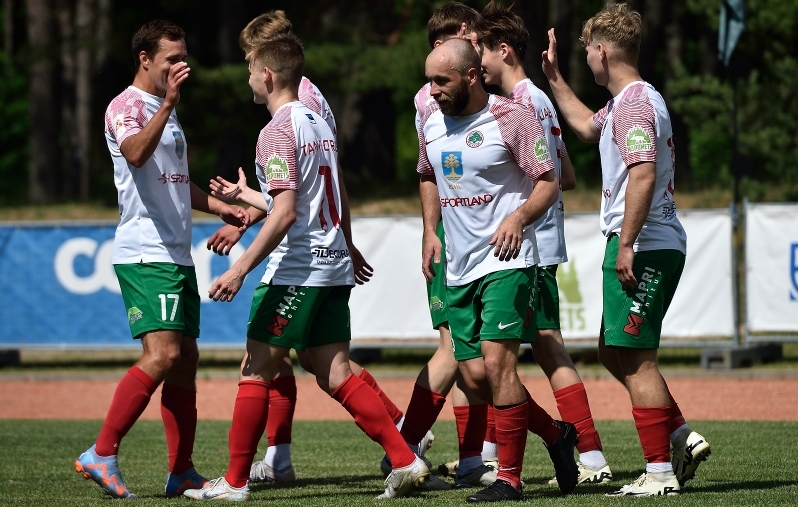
(422, 411)
(574, 408)
(179, 414)
(393, 411)
(652, 427)
(676, 419)
(471, 421)
(371, 416)
(282, 402)
(490, 431)
(131, 397)
(541, 423)
(511, 426)
(249, 418)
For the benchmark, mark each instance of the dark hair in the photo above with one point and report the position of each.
(446, 21)
(148, 38)
(502, 25)
(284, 55)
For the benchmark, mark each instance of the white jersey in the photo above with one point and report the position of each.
(297, 151)
(154, 199)
(636, 127)
(485, 165)
(550, 228)
(314, 100)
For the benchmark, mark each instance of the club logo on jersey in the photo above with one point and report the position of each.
(119, 125)
(180, 145)
(310, 117)
(637, 140)
(435, 304)
(474, 139)
(276, 168)
(134, 314)
(452, 162)
(542, 153)
(794, 271)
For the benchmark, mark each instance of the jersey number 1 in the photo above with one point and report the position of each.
(326, 173)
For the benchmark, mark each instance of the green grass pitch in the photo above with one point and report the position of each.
(752, 464)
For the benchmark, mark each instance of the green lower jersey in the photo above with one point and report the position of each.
(498, 306)
(160, 296)
(633, 318)
(299, 317)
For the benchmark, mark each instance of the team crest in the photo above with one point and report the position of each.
(637, 140)
(276, 168)
(542, 153)
(180, 145)
(452, 162)
(474, 139)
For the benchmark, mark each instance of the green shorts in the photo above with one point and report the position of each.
(436, 290)
(299, 317)
(160, 296)
(633, 318)
(498, 306)
(547, 315)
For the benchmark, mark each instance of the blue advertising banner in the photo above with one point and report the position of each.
(58, 288)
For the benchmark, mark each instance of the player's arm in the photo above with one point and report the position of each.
(510, 234)
(639, 193)
(226, 236)
(431, 250)
(280, 220)
(138, 148)
(363, 270)
(231, 214)
(567, 174)
(576, 113)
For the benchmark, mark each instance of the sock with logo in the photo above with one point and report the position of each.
(652, 427)
(393, 411)
(541, 423)
(372, 417)
(249, 418)
(511, 434)
(422, 412)
(575, 409)
(179, 415)
(471, 421)
(282, 402)
(131, 397)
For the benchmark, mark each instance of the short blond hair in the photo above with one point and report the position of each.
(284, 55)
(617, 24)
(262, 28)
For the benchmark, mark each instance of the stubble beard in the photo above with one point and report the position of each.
(456, 104)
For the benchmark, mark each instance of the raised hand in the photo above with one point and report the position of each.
(550, 63)
(226, 191)
(178, 73)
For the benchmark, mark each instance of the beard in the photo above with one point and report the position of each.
(455, 104)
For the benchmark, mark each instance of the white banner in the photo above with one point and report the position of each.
(394, 304)
(771, 261)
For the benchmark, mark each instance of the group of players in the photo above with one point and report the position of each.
(492, 171)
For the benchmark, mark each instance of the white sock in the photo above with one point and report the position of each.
(399, 424)
(659, 467)
(278, 456)
(489, 451)
(468, 464)
(593, 459)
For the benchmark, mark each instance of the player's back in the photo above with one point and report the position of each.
(297, 151)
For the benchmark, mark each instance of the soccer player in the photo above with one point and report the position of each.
(152, 259)
(646, 243)
(302, 301)
(481, 172)
(276, 464)
(506, 40)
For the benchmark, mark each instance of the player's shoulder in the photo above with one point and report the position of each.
(130, 96)
(504, 108)
(423, 98)
(637, 93)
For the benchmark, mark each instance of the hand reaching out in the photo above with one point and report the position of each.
(226, 191)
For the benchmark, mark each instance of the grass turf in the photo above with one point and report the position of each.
(753, 463)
